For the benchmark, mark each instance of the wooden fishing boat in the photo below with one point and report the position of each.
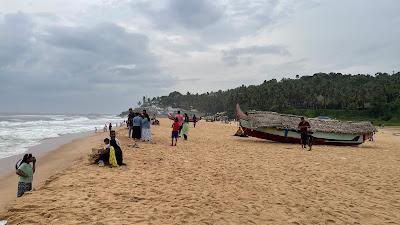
(284, 128)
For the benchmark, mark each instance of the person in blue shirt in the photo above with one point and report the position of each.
(136, 126)
(146, 133)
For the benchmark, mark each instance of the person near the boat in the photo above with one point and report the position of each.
(185, 127)
(304, 127)
(25, 172)
(180, 118)
(175, 131)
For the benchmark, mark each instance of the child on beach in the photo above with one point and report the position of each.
(175, 131)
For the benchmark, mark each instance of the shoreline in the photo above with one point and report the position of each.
(53, 156)
(44, 147)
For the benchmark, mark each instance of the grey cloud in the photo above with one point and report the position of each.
(181, 13)
(56, 62)
(15, 32)
(235, 55)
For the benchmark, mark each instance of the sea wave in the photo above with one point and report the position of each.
(19, 132)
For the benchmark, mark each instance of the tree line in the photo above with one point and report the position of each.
(338, 95)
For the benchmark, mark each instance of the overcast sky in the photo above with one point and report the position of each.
(101, 56)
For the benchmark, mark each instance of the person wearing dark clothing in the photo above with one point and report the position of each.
(106, 154)
(118, 152)
(136, 125)
(110, 128)
(130, 123)
(304, 127)
(194, 120)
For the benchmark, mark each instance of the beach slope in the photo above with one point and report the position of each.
(216, 178)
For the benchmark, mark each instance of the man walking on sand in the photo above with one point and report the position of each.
(180, 118)
(303, 127)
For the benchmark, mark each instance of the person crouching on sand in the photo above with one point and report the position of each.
(117, 151)
(25, 172)
(175, 131)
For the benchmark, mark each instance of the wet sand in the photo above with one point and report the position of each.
(216, 178)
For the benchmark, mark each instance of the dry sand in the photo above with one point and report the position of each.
(215, 178)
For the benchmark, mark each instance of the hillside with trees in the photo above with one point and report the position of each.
(355, 97)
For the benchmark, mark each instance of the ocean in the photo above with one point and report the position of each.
(20, 132)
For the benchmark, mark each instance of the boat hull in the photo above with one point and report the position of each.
(294, 137)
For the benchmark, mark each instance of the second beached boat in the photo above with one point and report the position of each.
(284, 128)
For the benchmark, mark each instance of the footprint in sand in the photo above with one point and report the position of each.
(330, 222)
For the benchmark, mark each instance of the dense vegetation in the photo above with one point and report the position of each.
(375, 98)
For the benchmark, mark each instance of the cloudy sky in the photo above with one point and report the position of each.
(103, 55)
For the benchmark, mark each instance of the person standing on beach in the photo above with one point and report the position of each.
(25, 172)
(175, 132)
(130, 123)
(110, 127)
(136, 125)
(303, 127)
(146, 133)
(194, 120)
(180, 118)
(185, 127)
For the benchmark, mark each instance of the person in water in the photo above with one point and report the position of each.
(25, 172)
(175, 131)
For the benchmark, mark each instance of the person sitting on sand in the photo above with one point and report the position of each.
(113, 137)
(104, 157)
(25, 172)
(185, 127)
(112, 159)
(175, 131)
(117, 151)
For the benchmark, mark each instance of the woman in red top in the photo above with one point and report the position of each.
(175, 131)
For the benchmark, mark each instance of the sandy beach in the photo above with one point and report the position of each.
(213, 178)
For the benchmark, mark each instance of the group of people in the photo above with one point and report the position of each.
(139, 125)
